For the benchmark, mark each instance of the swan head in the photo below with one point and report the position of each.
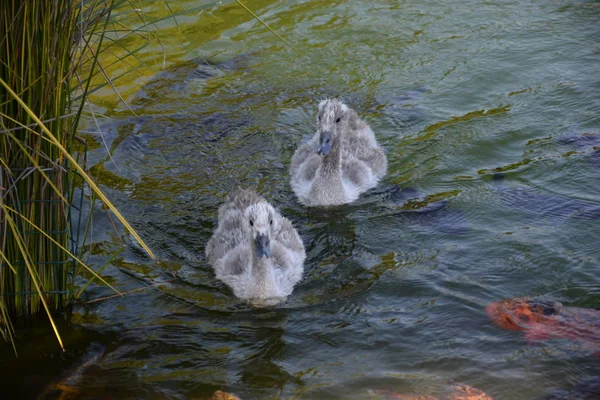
(259, 220)
(332, 119)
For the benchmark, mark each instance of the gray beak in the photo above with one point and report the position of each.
(263, 246)
(325, 144)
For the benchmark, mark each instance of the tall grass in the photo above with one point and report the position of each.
(48, 59)
(49, 65)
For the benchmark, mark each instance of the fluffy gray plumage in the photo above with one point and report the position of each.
(342, 160)
(255, 250)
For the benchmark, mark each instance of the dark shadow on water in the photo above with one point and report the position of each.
(586, 390)
(41, 368)
(179, 77)
(411, 206)
(207, 128)
(555, 207)
(587, 142)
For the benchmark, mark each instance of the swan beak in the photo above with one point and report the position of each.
(325, 144)
(263, 246)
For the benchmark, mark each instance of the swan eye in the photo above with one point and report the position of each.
(337, 120)
(251, 223)
(327, 140)
(270, 222)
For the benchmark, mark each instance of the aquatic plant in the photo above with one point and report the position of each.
(49, 60)
(50, 64)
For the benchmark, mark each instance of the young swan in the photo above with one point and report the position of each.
(342, 160)
(254, 250)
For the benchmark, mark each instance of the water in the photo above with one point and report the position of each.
(490, 116)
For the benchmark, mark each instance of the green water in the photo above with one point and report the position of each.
(489, 113)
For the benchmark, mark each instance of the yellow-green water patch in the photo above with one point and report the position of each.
(431, 130)
(463, 178)
(505, 168)
(108, 178)
(538, 140)
(87, 318)
(433, 198)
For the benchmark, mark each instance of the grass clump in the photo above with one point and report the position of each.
(49, 57)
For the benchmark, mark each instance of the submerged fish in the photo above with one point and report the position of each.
(456, 391)
(68, 386)
(220, 395)
(542, 319)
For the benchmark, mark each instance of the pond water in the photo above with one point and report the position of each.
(489, 113)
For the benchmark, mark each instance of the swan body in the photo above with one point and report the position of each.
(255, 250)
(341, 161)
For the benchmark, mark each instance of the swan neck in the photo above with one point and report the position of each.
(333, 161)
(259, 264)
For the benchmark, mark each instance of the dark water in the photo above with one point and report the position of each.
(490, 116)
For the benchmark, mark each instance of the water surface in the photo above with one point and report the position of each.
(489, 113)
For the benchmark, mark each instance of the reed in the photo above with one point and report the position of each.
(48, 60)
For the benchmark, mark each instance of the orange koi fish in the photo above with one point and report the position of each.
(542, 319)
(220, 395)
